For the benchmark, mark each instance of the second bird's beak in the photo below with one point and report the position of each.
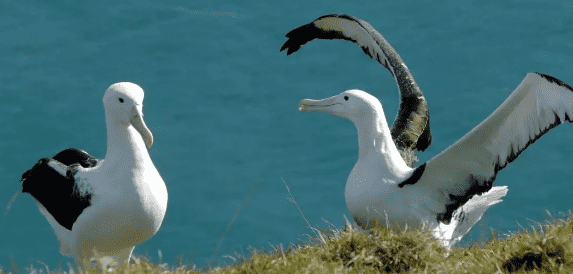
(323, 105)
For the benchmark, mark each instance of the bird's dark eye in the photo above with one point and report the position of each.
(121, 100)
(345, 98)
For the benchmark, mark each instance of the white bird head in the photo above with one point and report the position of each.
(355, 105)
(123, 103)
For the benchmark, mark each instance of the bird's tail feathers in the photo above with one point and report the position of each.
(473, 210)
(468, 215)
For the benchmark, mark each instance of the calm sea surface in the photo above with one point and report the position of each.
(221, 101)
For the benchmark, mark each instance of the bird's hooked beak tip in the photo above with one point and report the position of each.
(149, 141)
(303, 105)
(139, 125)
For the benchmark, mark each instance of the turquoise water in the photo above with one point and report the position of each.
(221, 101)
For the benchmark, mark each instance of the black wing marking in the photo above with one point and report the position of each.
(411, 128)
(57, 190)
(72, 156)
(416, 175)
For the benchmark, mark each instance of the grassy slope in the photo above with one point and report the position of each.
(547, 249)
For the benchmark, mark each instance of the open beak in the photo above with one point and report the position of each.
(138, 123)
(324, 105)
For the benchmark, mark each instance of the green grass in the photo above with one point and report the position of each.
(548, 248)
(545, 248)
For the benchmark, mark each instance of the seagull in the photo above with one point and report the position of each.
(100, 209)
(450, 192)
(411, 128)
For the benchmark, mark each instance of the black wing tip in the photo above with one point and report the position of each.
(299, 36)
(290, 46)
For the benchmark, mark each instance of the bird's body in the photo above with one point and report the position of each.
(103, 208)
(451, 191)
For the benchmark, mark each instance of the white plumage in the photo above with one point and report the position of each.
(451, 191)
(103, 208)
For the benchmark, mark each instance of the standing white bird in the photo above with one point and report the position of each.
(451, 191)
(102, 209)
(411, 128)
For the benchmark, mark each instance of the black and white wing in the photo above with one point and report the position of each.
(52, 182)
(411, 128)
(470, 165)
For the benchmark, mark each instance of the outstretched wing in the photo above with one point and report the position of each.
(470, 165)
(411, 128)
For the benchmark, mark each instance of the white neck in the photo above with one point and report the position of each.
(125, 145)
(371, 185)
(375, 142)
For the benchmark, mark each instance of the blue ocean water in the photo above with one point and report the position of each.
(221, 101)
